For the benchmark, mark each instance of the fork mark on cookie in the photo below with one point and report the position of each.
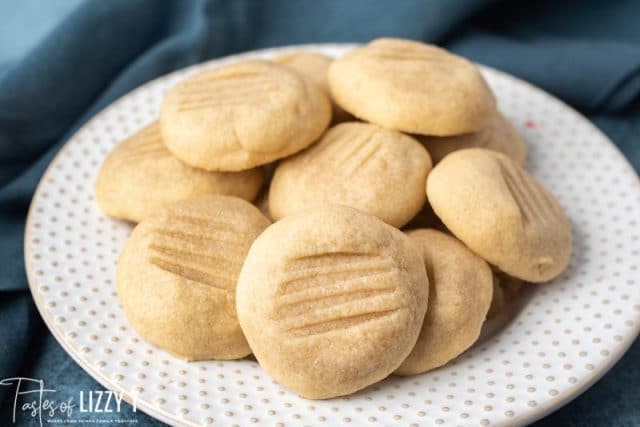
(345, 155)
(208, 223)
(227, 238)
(196, 274)
(364, 156)
(205, 259)
(342, 322)
(528, 197)
(345, 294)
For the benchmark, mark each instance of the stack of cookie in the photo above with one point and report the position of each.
(332, 296)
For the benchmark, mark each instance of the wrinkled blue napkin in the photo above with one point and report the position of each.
(587, 53)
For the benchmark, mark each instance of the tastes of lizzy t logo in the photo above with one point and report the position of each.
(32, 399)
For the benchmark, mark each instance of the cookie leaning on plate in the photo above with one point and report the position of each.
(501, 213)
(242, 115)
(314, 66)
(499, 135)
(412, 87)
(378, 171)
(176, 276)
(141, 175)
(331, 301)
(461, 285)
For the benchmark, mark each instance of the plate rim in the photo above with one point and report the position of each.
(564, 397)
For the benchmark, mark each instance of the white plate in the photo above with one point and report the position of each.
(569, 333)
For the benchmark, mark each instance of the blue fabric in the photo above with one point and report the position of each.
(586, 52)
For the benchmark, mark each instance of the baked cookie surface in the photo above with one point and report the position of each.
(375, 170)
(412, 87)
(315, 66)
(242, 115)
(141, 176)
(331, 301)
(502, 213)
(176, 276)
(500, 135)
(461, 285)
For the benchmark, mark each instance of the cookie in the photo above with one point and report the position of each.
(502, 213)
(499, 135)
(461, 285)
(331, 301)
(242, 115)
(412, 87)
(176, 276)
(314, 66)
(375, 170)
(141, 176)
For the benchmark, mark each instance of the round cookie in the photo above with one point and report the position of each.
(500, 136)
(331, 301)
(242, 115)
(461, 284)
(141, 175)
(314, 66)
(501, 213)
(412, 87)
(176, 276)
(378, 171)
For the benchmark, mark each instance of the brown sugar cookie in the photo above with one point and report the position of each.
(315, 67)
(242, 115)
(412, 87)
(331, 301)
(499, 135)
(461, 285)
(141, 175)
(502, 213)
(375, 170)
(176, 276)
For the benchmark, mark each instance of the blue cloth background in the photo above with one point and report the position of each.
(63, 61)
